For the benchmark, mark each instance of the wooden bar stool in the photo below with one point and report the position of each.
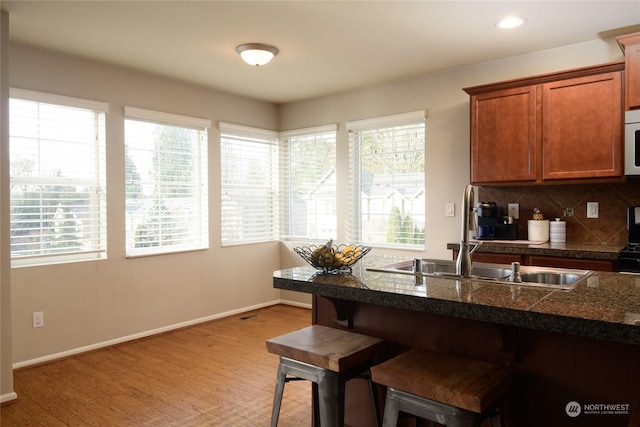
(444, 388)
(327, 357)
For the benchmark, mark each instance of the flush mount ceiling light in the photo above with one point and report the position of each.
(257, 53)
(510, 22)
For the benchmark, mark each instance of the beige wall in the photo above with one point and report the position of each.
(90, 303)
(447, 128)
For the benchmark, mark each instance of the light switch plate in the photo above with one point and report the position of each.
(593, 209)
(450, 209)
(514, 210)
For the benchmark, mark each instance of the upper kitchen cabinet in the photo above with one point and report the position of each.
(557, 127)
(503, 135)
(630, 45)
(582, 125)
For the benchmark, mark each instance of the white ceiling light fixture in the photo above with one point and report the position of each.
(511, 22)
(257, 53)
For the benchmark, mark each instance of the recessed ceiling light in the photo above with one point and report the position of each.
(511, 22)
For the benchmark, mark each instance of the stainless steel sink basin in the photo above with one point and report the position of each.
(554, 278)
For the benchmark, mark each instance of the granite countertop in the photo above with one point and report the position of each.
(605, 307)
(563, 250)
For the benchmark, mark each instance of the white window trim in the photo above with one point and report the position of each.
(247, 130)
(284, 202)
(80, 103)
(354, 211)
(308, 131)
(386, 121)
(170, 119)
(67, 101)
(166, 118)
(260, 134)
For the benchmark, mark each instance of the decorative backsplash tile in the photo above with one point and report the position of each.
(609, 228)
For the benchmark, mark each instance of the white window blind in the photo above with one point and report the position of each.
(57, 178)
(166, 179)
(308, 182)
(249, 187)
(387, 169)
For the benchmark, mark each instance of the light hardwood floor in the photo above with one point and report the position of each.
(214, 374)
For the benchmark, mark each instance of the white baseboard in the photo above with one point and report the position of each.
(8, 397)
(84, 349)
(295, 303)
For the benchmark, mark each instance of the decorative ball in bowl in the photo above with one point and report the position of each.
(332, 258)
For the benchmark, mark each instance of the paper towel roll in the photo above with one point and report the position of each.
(558, 231)
(539, 230)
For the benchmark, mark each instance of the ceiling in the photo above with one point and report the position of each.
(325, 46)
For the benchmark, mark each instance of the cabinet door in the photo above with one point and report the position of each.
(503, 136)
(632, 77)
(582, 127)
(496, 258)
(630, 44)
(580, 264)
(492, 258)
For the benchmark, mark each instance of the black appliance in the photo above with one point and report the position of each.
(492, 225)
(629, 256)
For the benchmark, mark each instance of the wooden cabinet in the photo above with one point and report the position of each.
(496, 258)
(582, 127)
(503, 135)
(630, 45)
(543, 261)
(580, 264)
(549, 128)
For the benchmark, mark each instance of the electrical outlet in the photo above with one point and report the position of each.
(568, 212)
(514, 210)
(38, 319)
(450, 209)
(592, 209)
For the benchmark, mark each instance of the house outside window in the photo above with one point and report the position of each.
(387, 181)
(166, 182)
(57, 178)
(308, 182)
(249, 184)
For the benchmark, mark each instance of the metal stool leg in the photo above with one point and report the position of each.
(316, 405)
(374, 400)
(331, 399)
(277, 397)
(391, 410)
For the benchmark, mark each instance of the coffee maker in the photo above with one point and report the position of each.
(492, 225)
(629, 256)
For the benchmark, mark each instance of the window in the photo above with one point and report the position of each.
(308, 182)
(249, 175)
(166, 180)
(57, 178)
(387, 168)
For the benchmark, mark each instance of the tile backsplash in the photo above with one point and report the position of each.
(609, 228)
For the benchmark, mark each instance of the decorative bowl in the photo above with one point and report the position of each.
(333, 259)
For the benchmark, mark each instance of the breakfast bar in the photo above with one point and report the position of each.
(568, 349)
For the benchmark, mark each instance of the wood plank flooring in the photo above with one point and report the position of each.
(214, 374)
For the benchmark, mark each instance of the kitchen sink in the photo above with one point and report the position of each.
(546, 277)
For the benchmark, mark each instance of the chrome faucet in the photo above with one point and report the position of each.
(469, 223)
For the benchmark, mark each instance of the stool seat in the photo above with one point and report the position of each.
(445, 388)
(328, 358)
(334, 349)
